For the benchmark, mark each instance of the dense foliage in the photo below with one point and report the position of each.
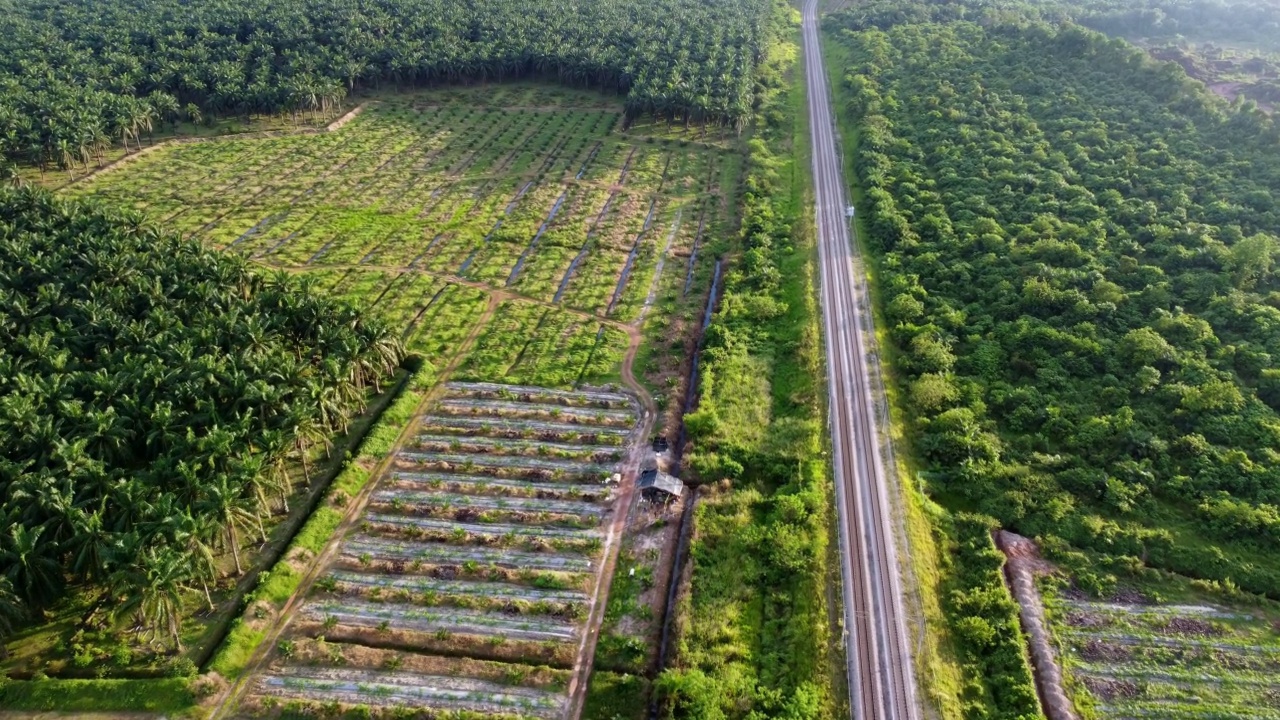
(1077, 248)
(1238, 21)
(984, 621)
(75, 74)
(154, 398)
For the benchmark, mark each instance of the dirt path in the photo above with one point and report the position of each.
(1020, 569)
(613, 542)
(226, 703)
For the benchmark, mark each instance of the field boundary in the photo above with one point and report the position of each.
(585, 664)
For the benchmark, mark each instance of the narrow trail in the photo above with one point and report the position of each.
(225, 705)
(613, 541)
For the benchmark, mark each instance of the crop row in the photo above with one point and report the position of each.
(467, 530)
(442, 553)
(523, 427)
(514, 446)
(413, 498)
(387, 688)
(358, 613)
(489, 485)
(424, 584)
(583, 397)
(479, 406)
(483, 462)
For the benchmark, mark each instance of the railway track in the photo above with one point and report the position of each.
(880, 673)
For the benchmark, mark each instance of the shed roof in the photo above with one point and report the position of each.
(653, 478)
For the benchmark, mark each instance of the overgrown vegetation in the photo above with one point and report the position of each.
(753, 630)
(158, 399)
(984, 620)
(1231, 21)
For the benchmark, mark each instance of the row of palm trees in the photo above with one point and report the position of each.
(72, 128)
(74, 74)
(158, 403)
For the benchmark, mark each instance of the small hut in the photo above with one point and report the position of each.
(659, 487)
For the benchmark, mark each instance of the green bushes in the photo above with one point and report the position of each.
(753, 638)
(83, 696)
(984, 620)
(1084, 334)
(614, 696)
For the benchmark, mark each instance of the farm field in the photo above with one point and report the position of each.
(1134, 657)
(466, 582)
(435, 207)
(519, 238)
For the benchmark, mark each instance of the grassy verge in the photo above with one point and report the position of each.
(614, 696)
(276, 586)
(938, 667)
(164, 695)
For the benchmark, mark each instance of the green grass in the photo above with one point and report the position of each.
(166, 695)
(614, 696)
(615, 651)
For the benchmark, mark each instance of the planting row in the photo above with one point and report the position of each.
(1130, 660)
(556, 204)
(479, 547)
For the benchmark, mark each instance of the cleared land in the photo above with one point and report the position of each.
(467, 581)
(1132, 657)
(427, 207)
(517, 237)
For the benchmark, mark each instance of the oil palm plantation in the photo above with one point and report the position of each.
(139, 442)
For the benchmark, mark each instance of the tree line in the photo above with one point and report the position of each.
(76, 76)
(158, 401)
(1231, 21)
(1078, 254)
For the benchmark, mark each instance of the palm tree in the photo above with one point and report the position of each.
(91, 545)
(9, 174)
(223, 503)
(12, 611)
(153, 590)
(30, 565)
(191, 536)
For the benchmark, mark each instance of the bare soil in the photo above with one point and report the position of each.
(1088, 620)
(1024, 564)
(1110, 689)
(454, 645)
(1102, 651)
(1191, 626)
